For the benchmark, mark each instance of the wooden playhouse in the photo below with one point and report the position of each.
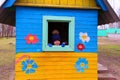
(57, 39)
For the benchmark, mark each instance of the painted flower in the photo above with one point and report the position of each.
(84, 37)
(81, 65)
(29, 66)
(80, 46)
(31, 39)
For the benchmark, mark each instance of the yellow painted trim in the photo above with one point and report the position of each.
(56, 6)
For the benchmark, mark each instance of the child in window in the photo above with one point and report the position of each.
(56, 39)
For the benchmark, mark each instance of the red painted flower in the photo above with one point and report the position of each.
(31, 39)
(80, 46)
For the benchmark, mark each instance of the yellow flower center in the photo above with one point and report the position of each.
(31, 38)
(84, 37)
(82, 64)
(29, 66)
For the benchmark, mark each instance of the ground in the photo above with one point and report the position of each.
(109, 56)
(7, 56)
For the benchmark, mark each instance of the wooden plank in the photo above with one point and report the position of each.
(86, 3)
(60, 71)
(30, 1)
(47, 1)
(79, 3)
(61, 64)
(77, 79)
(63, 2)
(71, 2)
(72, 67)
(59, 59)
(92, 3)
(56, 2)
(39, 1)
(67, 3)
(63, 5)
(28, 78)
(102, 69)
(55, 54)
(57, 76)
(21, 1)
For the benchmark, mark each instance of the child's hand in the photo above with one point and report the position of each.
(57, 42)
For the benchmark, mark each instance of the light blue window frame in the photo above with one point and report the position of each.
(70, 20)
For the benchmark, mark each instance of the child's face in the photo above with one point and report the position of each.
(57, 42)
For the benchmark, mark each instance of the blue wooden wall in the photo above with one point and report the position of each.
(29, 21)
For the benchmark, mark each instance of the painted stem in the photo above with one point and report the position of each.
(19, 59)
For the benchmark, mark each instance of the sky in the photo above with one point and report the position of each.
(1, 2)
(116, 5)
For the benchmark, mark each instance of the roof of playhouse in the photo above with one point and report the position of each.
(86, 4)
(106, 15)
(7, 16)
(7, 3)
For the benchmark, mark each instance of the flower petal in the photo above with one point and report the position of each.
(24, 63)
(77, 63)
(28, 61)
(32, 70)
(27, 71)
(34, 65)
(81, 33)
(28, 42)
(34, 42)
(31, 62)
(78, 70)
(24, 68)
(86, 66)
(82, 70)
(88, 39)
(86, 34)
(82, 40)
(77, 66)
(80, 37)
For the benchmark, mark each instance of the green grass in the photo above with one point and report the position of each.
(109, 55)
(7, 51)
(110, 50)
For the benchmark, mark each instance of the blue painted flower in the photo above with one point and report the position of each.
(29, 66)
(81, 65)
